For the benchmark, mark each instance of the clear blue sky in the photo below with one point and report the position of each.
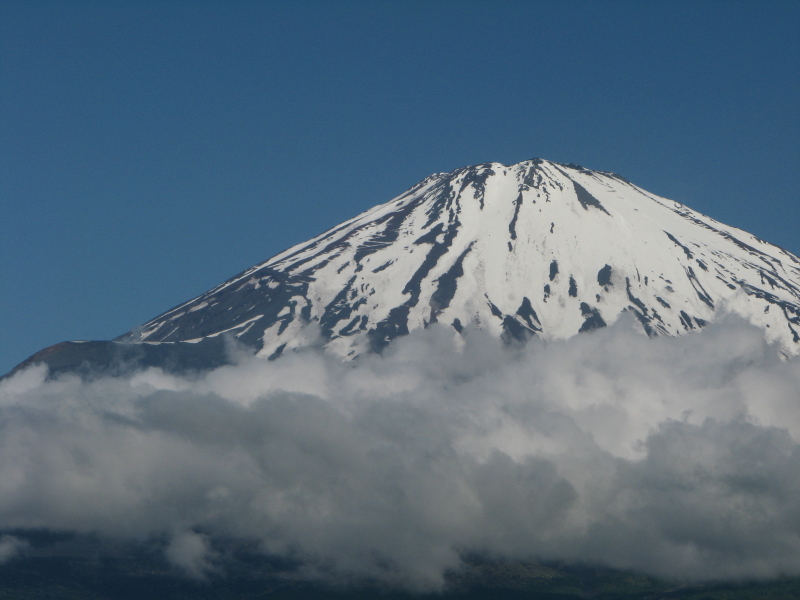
(150, 150)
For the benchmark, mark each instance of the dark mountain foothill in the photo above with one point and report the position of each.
(63, 566)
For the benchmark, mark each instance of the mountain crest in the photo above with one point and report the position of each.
(532, 249)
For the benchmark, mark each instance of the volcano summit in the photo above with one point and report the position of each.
(532, 249)
(508, 363)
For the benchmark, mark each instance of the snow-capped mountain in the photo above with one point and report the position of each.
(532, 249)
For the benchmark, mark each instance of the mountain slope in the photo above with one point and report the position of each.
(536, 248)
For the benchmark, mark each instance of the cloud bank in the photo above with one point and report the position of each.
(677, 457)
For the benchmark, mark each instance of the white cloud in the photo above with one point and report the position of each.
(191, 552)
(678, 457)
(10, 546)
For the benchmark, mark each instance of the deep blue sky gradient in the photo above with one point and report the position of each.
(151, 150)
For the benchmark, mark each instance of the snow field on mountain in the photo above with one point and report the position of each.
(532, 249)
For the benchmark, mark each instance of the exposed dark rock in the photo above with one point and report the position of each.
(592, 318)
(604, 276)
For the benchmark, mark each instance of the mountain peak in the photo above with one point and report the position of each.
(536, 248)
